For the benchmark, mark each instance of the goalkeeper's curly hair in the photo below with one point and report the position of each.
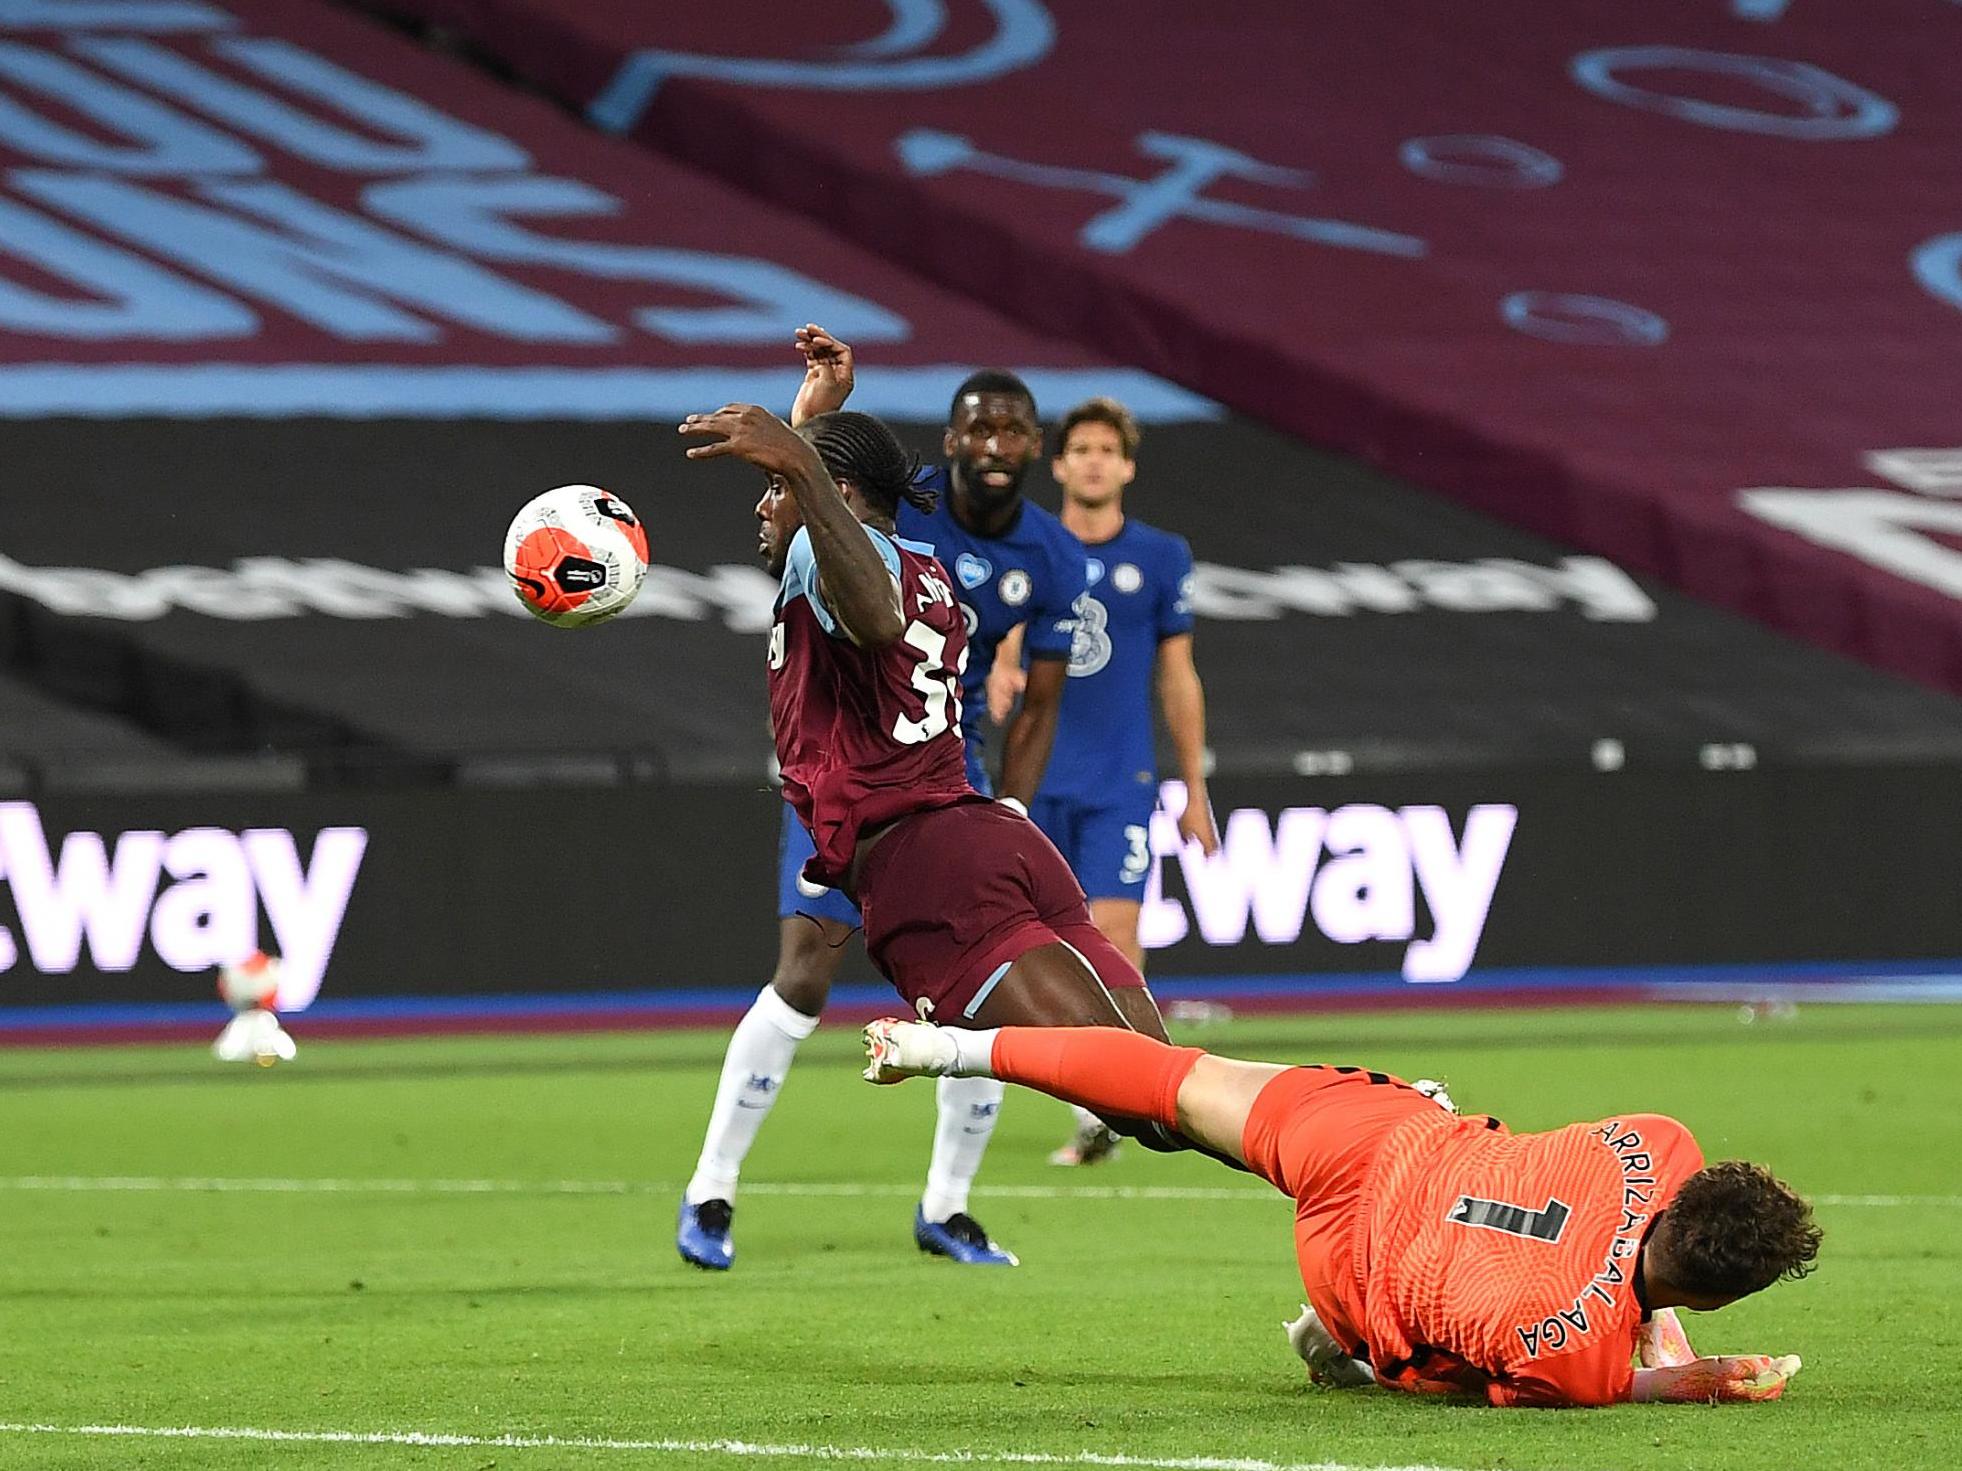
(1735, 1228)
(859, 448)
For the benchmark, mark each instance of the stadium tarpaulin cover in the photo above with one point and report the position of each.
(1687, 293)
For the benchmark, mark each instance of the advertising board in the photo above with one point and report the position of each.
(1427, 878)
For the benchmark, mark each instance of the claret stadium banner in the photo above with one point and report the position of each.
(1420, 880)
(296, 311)
(271, 208)
(1677, 283)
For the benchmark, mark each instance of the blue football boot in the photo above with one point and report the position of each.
(701, 1235)
(960, 1237)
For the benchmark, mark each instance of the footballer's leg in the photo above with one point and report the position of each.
(1056, 986)
(1117, 919)
(1116, 1072)
(1094, 843)
(1120, 980)
(1076, 978)
(760, 1052)
(813, 927)
(956, 901)
(966, 1112)
(1048, 985)
(1094, 1141)
(1115, 861)
(967, 1109)
(1140, 1011)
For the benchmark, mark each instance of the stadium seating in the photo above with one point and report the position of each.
(1654, 293)
(297, 307)
(1340, 611)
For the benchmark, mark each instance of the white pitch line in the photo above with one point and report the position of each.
(693, 1448)
(223, 1185)
(195, 1184)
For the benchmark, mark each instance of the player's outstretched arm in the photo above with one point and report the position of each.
(1048, 640)
(1183, 700)
(856, 585)
(1007, 679)
(1026, 745)
(827, 374)
(1725, 1379)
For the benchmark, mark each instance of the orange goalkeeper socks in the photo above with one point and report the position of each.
(1109, 1070)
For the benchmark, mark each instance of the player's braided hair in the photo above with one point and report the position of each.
(1734, 1228)
(861, 449)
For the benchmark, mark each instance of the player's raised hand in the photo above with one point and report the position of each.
(827, 373)
(750, 432)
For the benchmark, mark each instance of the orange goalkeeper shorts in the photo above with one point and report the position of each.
(1314, 1132)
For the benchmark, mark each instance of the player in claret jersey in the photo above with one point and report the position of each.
(967, 908)
(1445, 1254)
(1010, 562)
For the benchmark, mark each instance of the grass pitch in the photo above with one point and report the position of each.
(396, 1242)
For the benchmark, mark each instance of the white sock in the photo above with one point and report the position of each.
(753, 1070)
(968, 1110)
(974, 1051)
(1085, 1120)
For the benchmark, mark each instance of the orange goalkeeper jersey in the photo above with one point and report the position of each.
(1506, 1263)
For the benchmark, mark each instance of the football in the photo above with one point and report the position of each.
(251, 984)
(575, 555)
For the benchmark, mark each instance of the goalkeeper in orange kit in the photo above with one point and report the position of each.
(1444, 1253)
